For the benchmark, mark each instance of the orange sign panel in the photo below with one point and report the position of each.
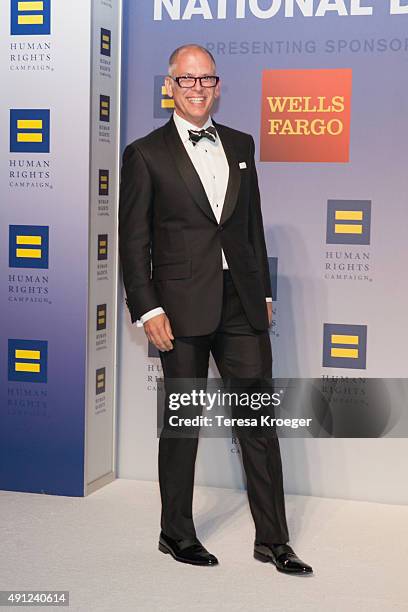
(305, 115)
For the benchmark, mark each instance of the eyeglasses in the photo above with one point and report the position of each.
(187, 82)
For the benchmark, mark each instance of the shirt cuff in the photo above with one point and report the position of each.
(268, 299)
(149, 315)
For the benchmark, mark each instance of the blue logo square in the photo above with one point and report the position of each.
(104, 108)
(106, 39)
(27, 360)
(28, 246)
(348, 221)
(103, 182)
(102, 246)
(30, 130)
(344, 346)
(30, 18)
(100, 381)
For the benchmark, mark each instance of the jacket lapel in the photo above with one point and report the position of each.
(187, 170)
(192, 179)
(234, 179)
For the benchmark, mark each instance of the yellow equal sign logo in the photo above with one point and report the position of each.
(103, 182)
(27, 360)
(166, 102)
(26, 18)
(101, 317)
(29, 124)
(105, 41)
(100, 380)
(102, 247)
(344, 346)
(104, 108)
(350, 348)
(23, 366)
(348, 228)
(28, 246)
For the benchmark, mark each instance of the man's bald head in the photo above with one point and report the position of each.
(185, 49)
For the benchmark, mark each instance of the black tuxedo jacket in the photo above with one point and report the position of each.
(170, 241)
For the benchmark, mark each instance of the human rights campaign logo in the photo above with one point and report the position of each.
(348, 221)
(27, 360)
(344, 346)
(101, 317)
(106, 42)
(103, 182)
(30, 18)
(28, 246)
(102, 246)
(104, 108)
(100, 382)
(163, 104)
(29, 130)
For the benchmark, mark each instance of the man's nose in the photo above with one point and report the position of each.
(197, 87)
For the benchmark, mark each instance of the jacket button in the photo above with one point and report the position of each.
(220, 227)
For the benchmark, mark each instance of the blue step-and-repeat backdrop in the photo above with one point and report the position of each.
(322, 87)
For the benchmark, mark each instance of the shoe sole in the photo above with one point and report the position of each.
(265, 559)
(167, 551)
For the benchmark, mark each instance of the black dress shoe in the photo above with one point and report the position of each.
(186, 551)
(283, 556)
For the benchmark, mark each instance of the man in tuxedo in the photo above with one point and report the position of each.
(196, 275)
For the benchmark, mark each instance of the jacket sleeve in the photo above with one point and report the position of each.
(135, 224)
(256, 228)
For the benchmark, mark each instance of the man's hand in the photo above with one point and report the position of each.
(269, 308)
(158, 330)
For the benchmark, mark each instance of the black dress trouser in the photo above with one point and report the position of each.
(239, 351)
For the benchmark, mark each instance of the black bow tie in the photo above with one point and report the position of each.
(197, 135)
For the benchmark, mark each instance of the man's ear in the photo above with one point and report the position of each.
(217, 91)
(168, 82)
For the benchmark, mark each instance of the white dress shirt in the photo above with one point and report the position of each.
(212, 167)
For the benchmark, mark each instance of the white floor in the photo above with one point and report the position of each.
(103, 549)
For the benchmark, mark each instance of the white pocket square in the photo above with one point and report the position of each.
(242, 165)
